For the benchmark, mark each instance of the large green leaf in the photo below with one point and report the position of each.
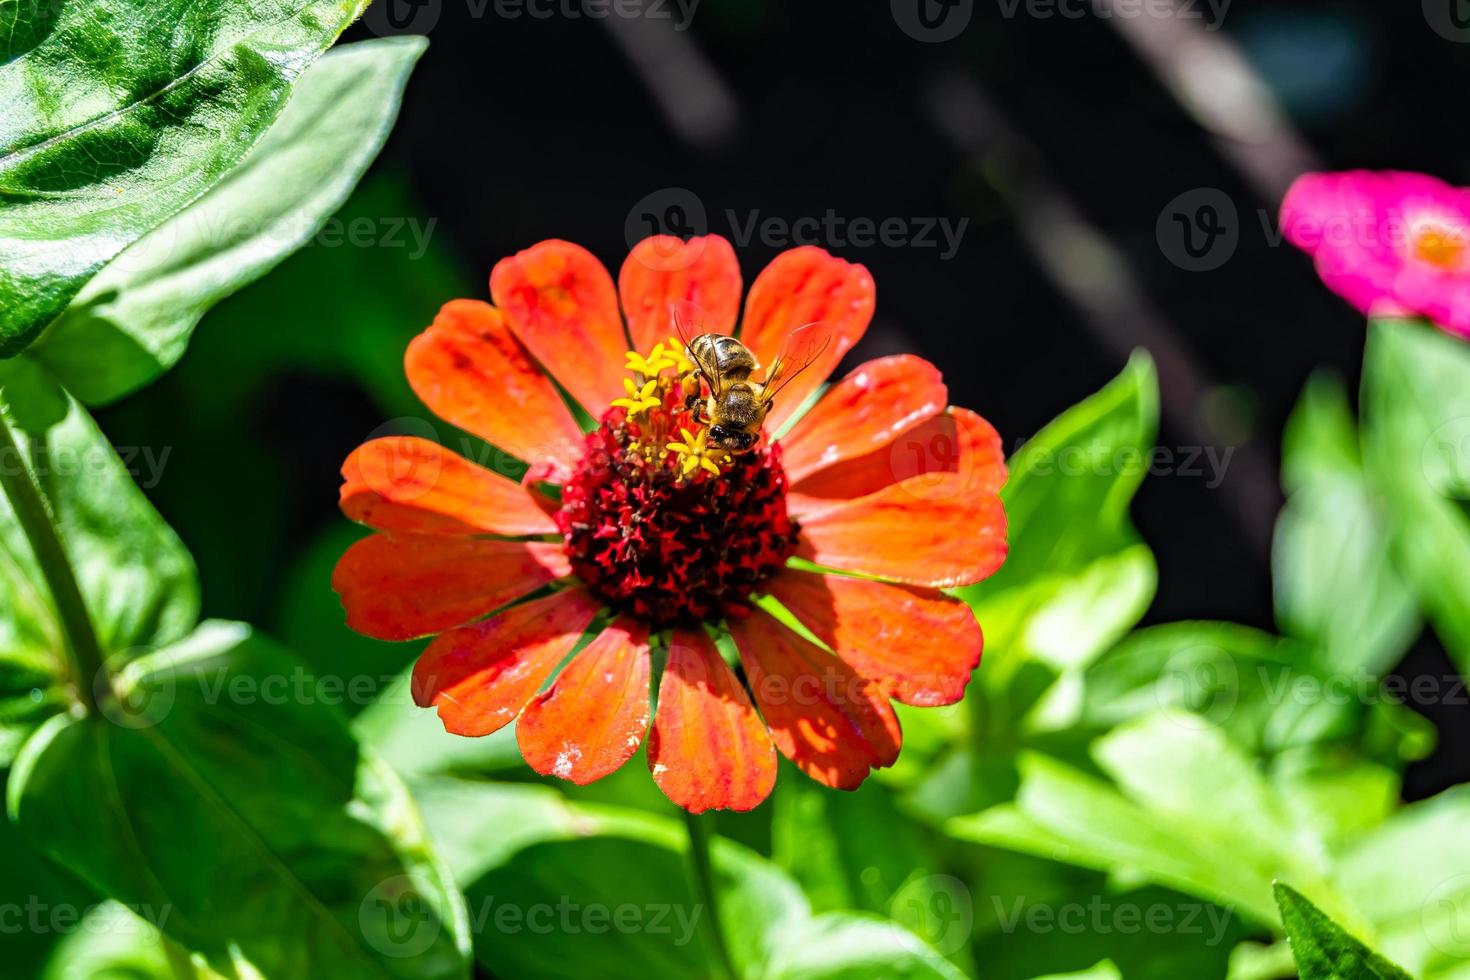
(1186, 809)
(133, 320)
(1323, 949)
(1334, 582)
(559, 889)
(1416, 418)
(118, 114)
(1077, 575)
(1268, 693)
(136, 578)
(113, 943)
(217, 787)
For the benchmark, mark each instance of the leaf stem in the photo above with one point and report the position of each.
(34, 517)
(698, 826)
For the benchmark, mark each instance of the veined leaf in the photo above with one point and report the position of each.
(1323, 949)
(218, 788)
(132, 321)
(107, 131)
(136, 578)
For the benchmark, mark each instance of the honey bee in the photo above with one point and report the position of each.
(737, 407)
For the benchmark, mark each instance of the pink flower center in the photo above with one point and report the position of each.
(671, 542)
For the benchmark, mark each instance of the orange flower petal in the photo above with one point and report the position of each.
(800, 286)
(922, 531)
(481, 676)
(591, 720)
(708, 749)
(834, 724)
(960, 443)
(563, 306)
(397, 587)
(470, 370)
(865, 411)
(664, 269)
(919, 645)
(403, 483)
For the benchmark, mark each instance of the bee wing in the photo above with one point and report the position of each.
(800, 348)
(689, 323)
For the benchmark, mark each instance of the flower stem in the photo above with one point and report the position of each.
(698, 826)
(34, 517)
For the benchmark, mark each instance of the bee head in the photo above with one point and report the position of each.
(731, 440)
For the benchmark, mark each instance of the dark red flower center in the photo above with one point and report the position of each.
(669, 545)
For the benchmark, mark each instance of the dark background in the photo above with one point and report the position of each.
(1059, 138)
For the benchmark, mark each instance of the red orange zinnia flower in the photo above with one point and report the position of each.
(648, 539)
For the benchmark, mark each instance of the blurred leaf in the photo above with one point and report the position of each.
(1411, 879)
(112, 943)
(114, 123)
(847, 946)
(1323, 949)
(560, 889)
(1188, 810)
(310, 620)
(1335, 586)
(248, 811)
(132, 321)
(1103, 971)
(414, 742)
(137, 579)
(1416, 417)
(1077, 575)
(1266, 692)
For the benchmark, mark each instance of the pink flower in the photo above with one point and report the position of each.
(1392, 244)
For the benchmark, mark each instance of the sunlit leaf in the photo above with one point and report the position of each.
(249, 811)
(1416, 418)
(1323, 949)
(136, 577)
(133, 320)
(107, 132)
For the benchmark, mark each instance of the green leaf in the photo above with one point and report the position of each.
(1268, 693)
(848, 946)
(133, 320)
(1077, 575)
(113, 943)
(1102, 971)
(1416, 417)
(1410, 876)
(1187, 809)
(1323, 949)
(135, 575)
(218, 789)
(1335, 586)
(119, 113)
(559, 889)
